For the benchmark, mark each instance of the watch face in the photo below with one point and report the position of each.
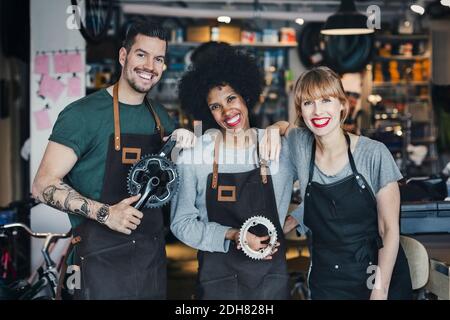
(103, 214)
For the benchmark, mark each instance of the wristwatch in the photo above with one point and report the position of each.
(103, 213)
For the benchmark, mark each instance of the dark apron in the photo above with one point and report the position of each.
(231, 199)
(115, 265)
(343, 219)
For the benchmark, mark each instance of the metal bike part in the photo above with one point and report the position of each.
(272, 232)
(49, 238)
(155, 177)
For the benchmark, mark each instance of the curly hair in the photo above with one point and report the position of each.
(227, 66)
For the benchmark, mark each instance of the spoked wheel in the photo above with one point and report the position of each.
(95, 18)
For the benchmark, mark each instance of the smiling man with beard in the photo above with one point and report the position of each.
(94, 143)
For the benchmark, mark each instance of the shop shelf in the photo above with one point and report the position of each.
(401, 83)
(260, 44)
(402, 37)
(400, 57)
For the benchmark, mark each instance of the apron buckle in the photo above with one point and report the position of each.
(226, 194)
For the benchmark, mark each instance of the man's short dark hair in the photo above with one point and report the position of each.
(146, 28)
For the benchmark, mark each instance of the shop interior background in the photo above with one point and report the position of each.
(399, 78)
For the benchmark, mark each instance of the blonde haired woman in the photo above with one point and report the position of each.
(351, 198)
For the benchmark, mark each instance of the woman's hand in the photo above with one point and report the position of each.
(270, 146)
(185, 139)
(289, 224)
(256, 243)
(253, 241)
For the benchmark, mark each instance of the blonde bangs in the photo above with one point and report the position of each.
(318, 83)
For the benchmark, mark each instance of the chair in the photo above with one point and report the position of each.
(419, 265)
(439, 283)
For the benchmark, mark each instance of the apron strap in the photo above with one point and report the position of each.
(312, 161)
(350, 156)
(63, 269)
(216, 161)
(116, 117)
(313, 158)
(262, 163)
(159, 126)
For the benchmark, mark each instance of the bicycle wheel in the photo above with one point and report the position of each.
(95, 18)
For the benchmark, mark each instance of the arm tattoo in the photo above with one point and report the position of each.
(79, 204)
(49, 197)
(63, 197)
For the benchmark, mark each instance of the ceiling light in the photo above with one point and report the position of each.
(224, 19)
(347, 20)
(417, 9)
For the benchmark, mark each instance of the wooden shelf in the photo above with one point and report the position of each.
(426, 140)
(410, 92)
(401, 83)
(404, 58)
(266, 45)
(402, 37)
(406, 99)
(260, 45)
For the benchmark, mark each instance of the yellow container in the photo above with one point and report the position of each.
(230, 34)
(198, 34)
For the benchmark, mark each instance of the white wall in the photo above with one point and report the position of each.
(48, 32)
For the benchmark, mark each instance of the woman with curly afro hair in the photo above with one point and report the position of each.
(218, 65)
(225, 182)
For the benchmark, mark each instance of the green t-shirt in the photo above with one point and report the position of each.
(86, 126)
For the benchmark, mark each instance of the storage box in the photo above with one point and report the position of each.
(287, 35)
(230, 34)
(249, 37)
(198, 34)
(270, 36)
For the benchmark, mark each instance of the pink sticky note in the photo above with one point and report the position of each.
(74, 87)
(74, 62)
(42, 119)
(50, 88)
(41, 64)
(60, 63)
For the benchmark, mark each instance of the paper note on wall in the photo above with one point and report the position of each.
(42, 119)
(74, 87)
(60, 63)
(41, 64)
(74, 62)
(50, 88)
